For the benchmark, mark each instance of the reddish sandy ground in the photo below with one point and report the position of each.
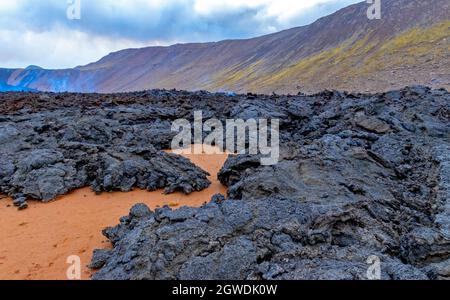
(35, 243)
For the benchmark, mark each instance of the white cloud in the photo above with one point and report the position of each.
(9, 5)
(59, 48)
(282, 9)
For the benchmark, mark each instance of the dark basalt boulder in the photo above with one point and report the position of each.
(47, 154)
(269, 238)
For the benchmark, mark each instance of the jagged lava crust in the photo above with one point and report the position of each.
(359, 175)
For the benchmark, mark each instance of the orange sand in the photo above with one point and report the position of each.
(35, 243)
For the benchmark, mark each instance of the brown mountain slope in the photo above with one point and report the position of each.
(409, 45)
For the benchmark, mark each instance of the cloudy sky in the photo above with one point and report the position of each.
(40, 32)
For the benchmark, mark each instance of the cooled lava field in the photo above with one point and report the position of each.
(360, 175)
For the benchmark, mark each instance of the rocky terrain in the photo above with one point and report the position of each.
(360, 175)
(49, 153)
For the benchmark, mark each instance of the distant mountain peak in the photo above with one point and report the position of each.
(33, 67)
